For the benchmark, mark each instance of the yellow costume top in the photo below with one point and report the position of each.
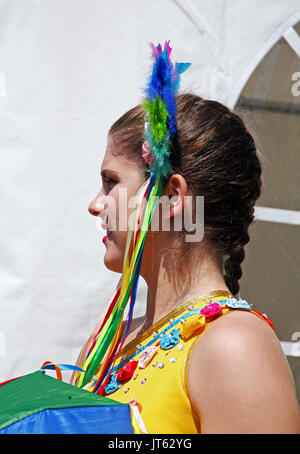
(153, 369)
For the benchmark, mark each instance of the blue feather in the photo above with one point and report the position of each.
(181, 67)
(164, 82)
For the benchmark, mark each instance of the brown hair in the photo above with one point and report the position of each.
(217, 156)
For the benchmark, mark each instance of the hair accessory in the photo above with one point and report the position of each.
(102, 348)
(146, 153)
(160, 107)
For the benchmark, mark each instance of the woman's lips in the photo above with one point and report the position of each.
(108, 235)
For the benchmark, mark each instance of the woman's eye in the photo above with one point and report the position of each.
(109, 182)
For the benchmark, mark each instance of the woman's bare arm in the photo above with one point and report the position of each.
(240, 380)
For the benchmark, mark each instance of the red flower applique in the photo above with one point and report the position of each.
(127, 371)
(211, 310)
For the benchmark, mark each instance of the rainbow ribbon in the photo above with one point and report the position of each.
(109, 335)
(160, 106)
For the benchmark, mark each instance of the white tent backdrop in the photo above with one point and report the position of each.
(68, 69)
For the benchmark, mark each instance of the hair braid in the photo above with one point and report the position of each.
(233, 269)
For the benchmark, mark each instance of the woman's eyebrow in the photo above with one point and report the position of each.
(104, 173)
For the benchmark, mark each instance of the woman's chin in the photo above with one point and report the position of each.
(113, 264)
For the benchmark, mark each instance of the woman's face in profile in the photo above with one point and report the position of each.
(121, 180)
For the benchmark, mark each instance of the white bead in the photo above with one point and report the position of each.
(173, 359)
(180, 347)
(160, 365)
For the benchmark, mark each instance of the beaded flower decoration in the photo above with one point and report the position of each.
(102, 349)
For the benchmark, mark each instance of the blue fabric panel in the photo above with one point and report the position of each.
(78, 420)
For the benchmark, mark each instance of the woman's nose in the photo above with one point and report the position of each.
(97, 205)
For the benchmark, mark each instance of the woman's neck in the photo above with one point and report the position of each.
(168, 288)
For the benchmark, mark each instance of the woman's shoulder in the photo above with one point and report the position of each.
(238, 370)
(238, 331)
(239, 338)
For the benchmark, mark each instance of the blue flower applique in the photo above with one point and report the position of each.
(170, 340)
(233, 303)
(112, 384)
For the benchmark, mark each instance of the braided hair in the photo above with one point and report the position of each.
(216, 154)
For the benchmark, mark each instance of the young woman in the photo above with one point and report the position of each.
(201, 360)
(222, 369)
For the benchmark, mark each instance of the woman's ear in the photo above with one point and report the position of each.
(175, 191)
